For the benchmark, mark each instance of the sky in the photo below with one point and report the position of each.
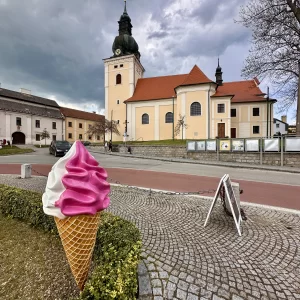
(56, 48)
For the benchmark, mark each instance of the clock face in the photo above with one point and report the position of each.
(118, 52)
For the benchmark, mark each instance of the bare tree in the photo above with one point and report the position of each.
(275, 52)
(180, 125)
(100, 128)
(45, 135)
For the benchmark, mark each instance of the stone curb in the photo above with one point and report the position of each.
(207, 163)
(145, 289)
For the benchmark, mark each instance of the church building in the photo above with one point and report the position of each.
(150, 108)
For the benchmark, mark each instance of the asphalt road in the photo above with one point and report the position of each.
(42, 156)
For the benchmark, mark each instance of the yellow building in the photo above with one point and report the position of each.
(144, 107)
(78, 122)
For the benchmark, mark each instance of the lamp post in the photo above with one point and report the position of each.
(268, 113)
(298, 104)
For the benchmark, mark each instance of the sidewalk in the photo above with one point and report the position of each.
(184, 260)
(202, 162)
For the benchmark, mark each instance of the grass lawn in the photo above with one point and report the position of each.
(43, 146)
(8, 150)
(33, 264)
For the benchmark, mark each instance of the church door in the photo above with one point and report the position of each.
(221, 130)
(18, 138)
(233, 133)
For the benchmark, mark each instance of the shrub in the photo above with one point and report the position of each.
(8, 150)
(117, 249)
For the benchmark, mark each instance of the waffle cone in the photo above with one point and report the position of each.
(78, 236)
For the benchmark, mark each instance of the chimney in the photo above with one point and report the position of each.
(25, 91)
(94, 112)
(283, 119)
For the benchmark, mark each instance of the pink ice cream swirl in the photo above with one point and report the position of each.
(86, 186)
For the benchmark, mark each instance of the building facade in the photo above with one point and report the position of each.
(280, 126)
(150, 108)
(77, 124)
(23, 118)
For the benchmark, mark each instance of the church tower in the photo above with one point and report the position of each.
(122, 70)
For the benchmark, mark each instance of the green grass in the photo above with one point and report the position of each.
(159, 143)
(42, 146)
(33, 264)
(8, 150)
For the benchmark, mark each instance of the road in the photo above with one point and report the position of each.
(260, 186)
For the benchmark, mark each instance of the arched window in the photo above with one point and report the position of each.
(145, 119)
(169, 117)
(195, 109)
(119, 79)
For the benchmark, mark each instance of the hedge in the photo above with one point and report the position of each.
(117, 249)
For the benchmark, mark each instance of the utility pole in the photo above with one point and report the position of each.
(111, 120)
(298, 103)
(268, 113)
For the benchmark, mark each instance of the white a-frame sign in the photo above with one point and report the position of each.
(231, 202)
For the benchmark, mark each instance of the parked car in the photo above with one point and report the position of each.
(86, 143)
(59, 148)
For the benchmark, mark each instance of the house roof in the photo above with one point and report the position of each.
(196, 76)
(28, 108)
(27, 98)
(241, 91)
(79, 114)
(274, 121)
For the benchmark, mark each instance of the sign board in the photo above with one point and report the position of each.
(201, 145)
(211, 145)
(234, 206)
(252, 145)
(237, 145)
(224, 145)
(271, 145)
(191, 146)
(292, 144)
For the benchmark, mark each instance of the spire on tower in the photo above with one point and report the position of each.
(219, 79)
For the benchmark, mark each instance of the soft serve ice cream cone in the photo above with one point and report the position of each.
(75, 194)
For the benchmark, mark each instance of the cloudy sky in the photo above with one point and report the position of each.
(55, 48)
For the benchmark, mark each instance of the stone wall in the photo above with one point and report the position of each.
(274, 159)
(158, 151)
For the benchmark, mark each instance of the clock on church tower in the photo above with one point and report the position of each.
(122, 71)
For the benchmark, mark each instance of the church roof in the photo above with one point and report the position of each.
(196, 76)
(241, 91)
(155, 88)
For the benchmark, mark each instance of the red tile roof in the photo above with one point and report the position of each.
(196, 76)
(156, 88)
(163, 87)
(241, 91)
(79, 114)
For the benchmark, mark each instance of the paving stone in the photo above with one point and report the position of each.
(181, 294)
(192, 297)
(185, 253)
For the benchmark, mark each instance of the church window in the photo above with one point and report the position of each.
(169, 117)
(145, 119)
(119, 79)
(121, 66)
(195, 109)
(118, 101)
(115, 66)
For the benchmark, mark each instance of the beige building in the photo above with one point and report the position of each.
(145, 107)
(78, 122)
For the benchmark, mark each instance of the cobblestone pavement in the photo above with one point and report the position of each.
(187, 261)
